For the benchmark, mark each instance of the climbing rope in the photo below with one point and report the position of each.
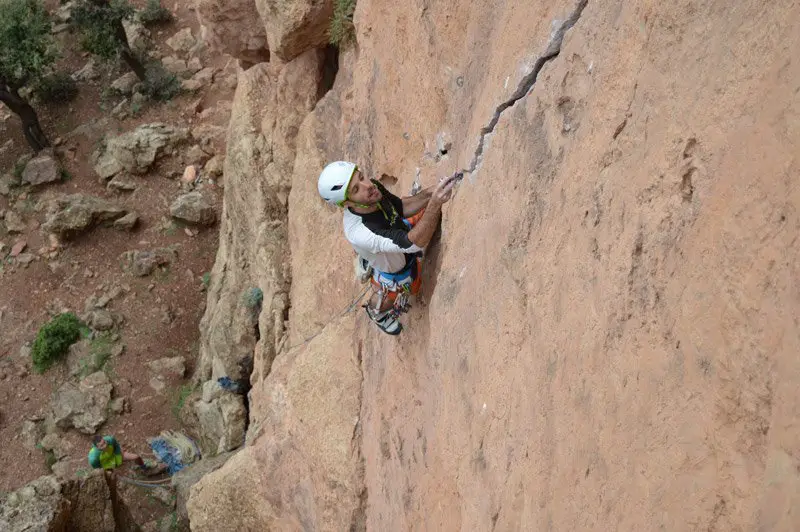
(347, 310)
(146, 483)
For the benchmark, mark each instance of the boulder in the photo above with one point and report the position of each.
(123, 182)
(80, 359)
(193, 208)
(38, 506)
(72, 214)
(138, 36)
(221, 423)
(32, 432)
(100, 320)
(14, 222)
(191, 85)
(295, 27)
(213, 167)
(205, 76)
(142, 263)
(127, 222)
(53, 442)
(189, 175)
(210, 136)
(195, 155)
(182, 42)
(42, 169)
(26, 258)
(125, 83)
(64, 12)
(83, 405)
(194, 65)
(137, 150)
(7, 182)
(18, 247)
(233, 27)
(121, 110)
(169, 367)
(88, 72)
(120, 405)
(105, 165)
(176, 66)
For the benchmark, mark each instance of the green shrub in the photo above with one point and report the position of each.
(19, 167)
(154, 14)
(50, 460)
(179, 399)
(341, 30)
(206, 280)
(53, 340)
(56, 88)
(160, 84)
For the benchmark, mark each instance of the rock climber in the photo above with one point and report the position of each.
(387, 232)
(107, 454)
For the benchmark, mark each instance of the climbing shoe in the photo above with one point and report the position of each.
(387, 321)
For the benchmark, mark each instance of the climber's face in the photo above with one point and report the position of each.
(362, 190)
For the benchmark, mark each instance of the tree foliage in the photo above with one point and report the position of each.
(27, 49)
(27, 52)
(341, 30)
(99, 23)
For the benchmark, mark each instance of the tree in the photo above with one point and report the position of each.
(27, 51)
(100, 24)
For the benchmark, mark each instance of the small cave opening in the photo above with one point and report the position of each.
(330, 68)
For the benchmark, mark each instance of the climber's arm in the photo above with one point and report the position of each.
(413, 204)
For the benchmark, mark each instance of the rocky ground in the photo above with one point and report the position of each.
(608, 333)
(117, 224)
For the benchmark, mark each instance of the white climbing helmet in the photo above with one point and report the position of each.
(334, 180)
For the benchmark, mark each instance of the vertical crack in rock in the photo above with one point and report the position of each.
(527, 82)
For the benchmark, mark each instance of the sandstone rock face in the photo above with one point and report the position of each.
(186, 478)
(259, 160)
(234, 28)
(306, 477)
(295, 27)
(137, 150)
(72, 214)
(614, 284)
(92, 508)
(36, 506)
(49, 505)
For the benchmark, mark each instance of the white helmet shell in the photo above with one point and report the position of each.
(334, 180)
